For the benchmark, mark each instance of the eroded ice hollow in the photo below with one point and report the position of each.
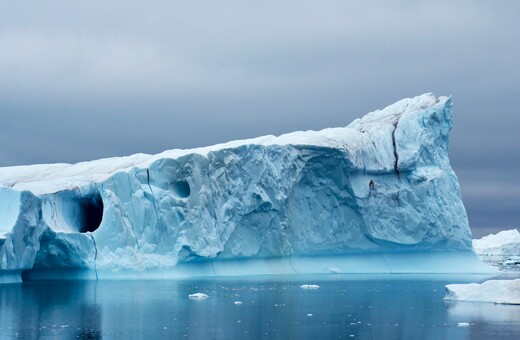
(377, 196)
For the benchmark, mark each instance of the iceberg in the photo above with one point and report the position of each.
(493, 291)
(376, 196)
(502, 247)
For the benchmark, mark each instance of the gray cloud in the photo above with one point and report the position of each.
(80, 81)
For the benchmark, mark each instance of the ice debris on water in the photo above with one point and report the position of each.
(198, 296)
(309, 286)
(463, 324)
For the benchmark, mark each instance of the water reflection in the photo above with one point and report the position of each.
(35, 310)
(486, 319)
(483, 312)
(271, 308)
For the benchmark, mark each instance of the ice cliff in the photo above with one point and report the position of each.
(376, 196)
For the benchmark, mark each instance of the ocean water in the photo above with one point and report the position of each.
(344, 307)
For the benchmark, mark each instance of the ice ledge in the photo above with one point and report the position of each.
(397, 263)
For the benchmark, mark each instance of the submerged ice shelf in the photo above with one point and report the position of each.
(377, 196)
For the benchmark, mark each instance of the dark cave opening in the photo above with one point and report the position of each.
(91, 209)
(181, 189)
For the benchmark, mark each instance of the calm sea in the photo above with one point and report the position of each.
(344, 307)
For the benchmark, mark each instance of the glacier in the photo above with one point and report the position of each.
(376, 196)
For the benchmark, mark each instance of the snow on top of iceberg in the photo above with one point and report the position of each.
(493, 291)
(49, 178)
(497, 240)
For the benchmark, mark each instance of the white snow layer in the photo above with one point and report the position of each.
(500, 246)
(494, 291)
(376, 196)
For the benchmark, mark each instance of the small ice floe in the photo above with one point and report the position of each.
(310, 314)
(198, 296)
(237, 303)
(463, 324)
(309, 286)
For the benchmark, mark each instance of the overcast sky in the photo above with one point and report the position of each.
(91, 79)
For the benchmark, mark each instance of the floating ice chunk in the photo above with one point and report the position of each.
(309, 286)
(463, 324)
(494, 291)
(198, 296)
(310, 314)
(237, 303)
